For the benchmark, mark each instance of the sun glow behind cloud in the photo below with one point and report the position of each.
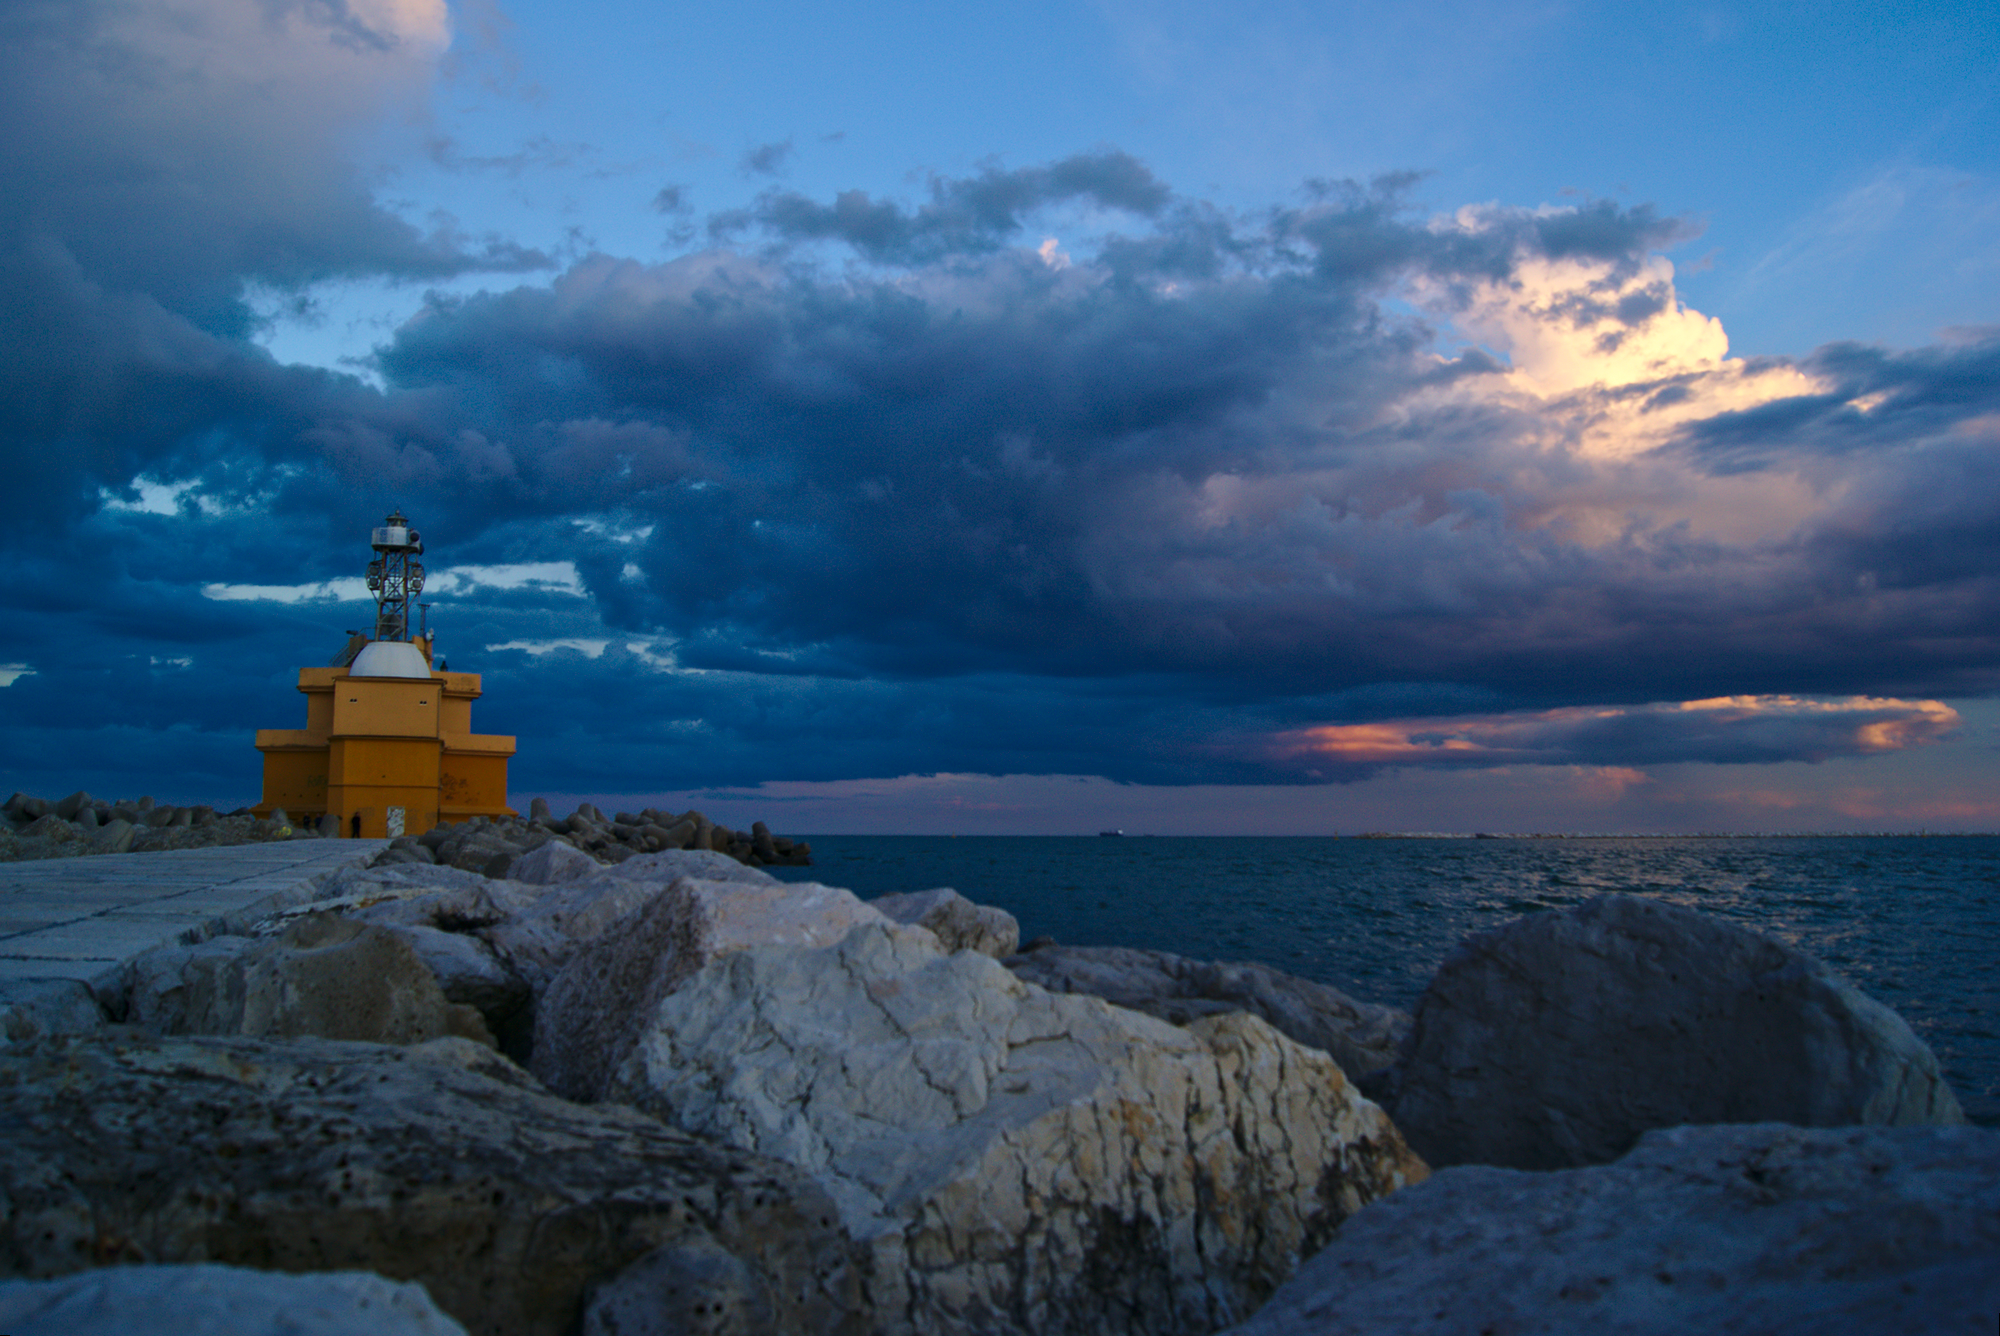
(1741, 728)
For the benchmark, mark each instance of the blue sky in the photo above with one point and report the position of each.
(1262, 418)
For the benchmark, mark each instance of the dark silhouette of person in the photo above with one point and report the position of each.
(355, 825)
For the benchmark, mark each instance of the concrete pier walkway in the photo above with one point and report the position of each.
(80, 918)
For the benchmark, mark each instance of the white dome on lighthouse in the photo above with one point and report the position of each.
(389, 658)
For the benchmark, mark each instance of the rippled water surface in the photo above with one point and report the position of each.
(1915, 922)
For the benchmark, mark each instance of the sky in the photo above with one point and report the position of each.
(1251, 418)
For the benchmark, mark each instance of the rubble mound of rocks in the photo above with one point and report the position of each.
(34, 828)
(801, 1112)
(1729, 1231)
(440, 1163)
(490, 846)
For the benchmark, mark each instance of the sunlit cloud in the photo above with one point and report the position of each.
(1725, 729)
(10, 673)
(424, 24)
(344, 590)
(147, 496)
(554, 577)
(590, 649)
(1604, 351)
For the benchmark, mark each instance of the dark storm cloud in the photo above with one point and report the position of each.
(1232, 484)
(974, 213)
(767, 159)
(184, 148)
(916, 487)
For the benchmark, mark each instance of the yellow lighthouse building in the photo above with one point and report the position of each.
(388, 746)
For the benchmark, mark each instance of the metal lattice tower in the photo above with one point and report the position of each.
(395, 577)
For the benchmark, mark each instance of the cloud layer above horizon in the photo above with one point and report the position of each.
(1053, 469)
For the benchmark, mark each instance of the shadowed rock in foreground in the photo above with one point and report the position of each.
(1723, 1231)
(440, 1163)
(954, 1149)
(212, 1300)
(1556, 1039)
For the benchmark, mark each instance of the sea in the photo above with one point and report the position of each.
(1914, 921)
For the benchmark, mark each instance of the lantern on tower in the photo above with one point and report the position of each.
(395, 577)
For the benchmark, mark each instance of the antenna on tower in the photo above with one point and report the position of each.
(395, 577)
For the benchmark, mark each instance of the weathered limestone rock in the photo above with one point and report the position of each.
(378, 884)
(208, 1300)
(593, 1012)
(954, 920)
(439, 1163)
(27, 807)
(50, 826)
(688, 1290)
(32, 1008)
(1555, 1040)
(1018, 1161)
(538, 940)
(1727, 1231)
(466, 969)
(539, 937)
(701, 864)
(113, 837)
(1362, 1037)
(551, 863)
(325, 975)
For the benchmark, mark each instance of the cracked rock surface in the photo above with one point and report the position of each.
(1556, 1039)
(594, 1011)
(440, 1163)
(954, 920)
(1361, 1036)
(324, 975)
(1016, 1161)
(1725, 1231)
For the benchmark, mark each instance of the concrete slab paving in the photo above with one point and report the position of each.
(82, 918)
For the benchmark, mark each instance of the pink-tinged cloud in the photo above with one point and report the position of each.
(1722, 729)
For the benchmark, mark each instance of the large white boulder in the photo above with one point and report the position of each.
(955, 921)
(1727, 1231)
(592, 1013)
(1018, 1161)
(1555, 1040)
